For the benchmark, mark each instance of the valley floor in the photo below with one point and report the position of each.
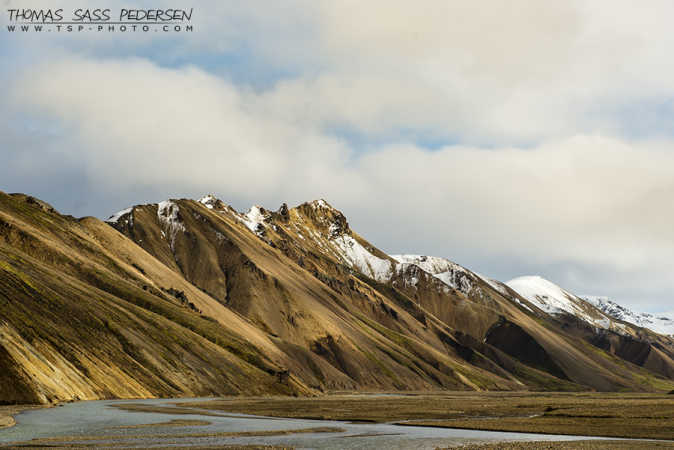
(572, 445)
(619, 415)
(646, 418)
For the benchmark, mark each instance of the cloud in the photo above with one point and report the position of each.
(131, 121)
(511, 137)
(589, 211)
(507, 74)
(515, 73)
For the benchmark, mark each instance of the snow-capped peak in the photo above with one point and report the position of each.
(554, 300)
(546, 295)
(320, 204)
(208, 201)
(659, 323)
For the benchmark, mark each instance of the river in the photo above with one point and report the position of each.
(99, 422)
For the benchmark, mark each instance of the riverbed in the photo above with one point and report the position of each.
(105, 423)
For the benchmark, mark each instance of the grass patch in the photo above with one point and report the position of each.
(566, 445)
(594, 414)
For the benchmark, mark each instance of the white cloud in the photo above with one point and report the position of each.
(495, 73)
(543, 101)
(587, 201)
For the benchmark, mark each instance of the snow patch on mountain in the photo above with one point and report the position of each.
(119, 214)
(361, 259)
(554, 300)
(443, 269)
(497, 285)
(255, 219)
(431, 264)
(169, 217)
(208, 201)
(659, 323)
(320, 204)
(502, 289)
(334, 230)
(410, 274)
(546, 295)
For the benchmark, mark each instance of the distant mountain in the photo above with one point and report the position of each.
(554, 300)
(660, 323)
(191, 298)
(598, 311)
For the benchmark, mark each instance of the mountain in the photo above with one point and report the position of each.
(192, 298)
(472, 309)
(599, 311)
(556, 301)
(661, 323)
(636, 338)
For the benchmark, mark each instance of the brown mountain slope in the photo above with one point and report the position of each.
(353, 327)
(86, 313)
(480, 313)
(77, 322)
(469, 319)
(193, 298)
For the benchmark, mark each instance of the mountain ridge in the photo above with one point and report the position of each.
(659, 323)
(367, 259)
(190, 297)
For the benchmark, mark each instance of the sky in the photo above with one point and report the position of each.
(515, 138)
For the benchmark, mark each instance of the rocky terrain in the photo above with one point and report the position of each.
(192, 298)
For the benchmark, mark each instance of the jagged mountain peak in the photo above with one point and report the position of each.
(209, 200)
(328, 220)
(320, 204)
(283, 211)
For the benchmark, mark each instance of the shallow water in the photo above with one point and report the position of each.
(98, 418)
